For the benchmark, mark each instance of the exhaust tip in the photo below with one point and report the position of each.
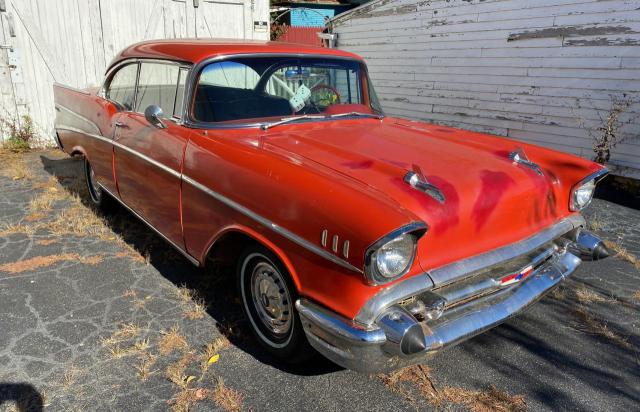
(601, 251)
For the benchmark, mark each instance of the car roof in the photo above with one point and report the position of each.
(196, 50)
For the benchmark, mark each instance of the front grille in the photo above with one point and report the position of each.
(490, 280)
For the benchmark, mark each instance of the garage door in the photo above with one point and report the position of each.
(221, 19)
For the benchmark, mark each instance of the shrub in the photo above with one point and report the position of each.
(20, 134)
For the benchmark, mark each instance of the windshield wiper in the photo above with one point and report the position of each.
(284, 120)
(376, 116)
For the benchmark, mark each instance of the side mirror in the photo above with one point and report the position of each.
(154, 115)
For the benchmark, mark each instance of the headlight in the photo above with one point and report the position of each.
(582, 193)
(393, 255)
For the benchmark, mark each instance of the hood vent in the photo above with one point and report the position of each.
(518, 156)
(416, 179)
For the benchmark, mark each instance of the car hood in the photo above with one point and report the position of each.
(490, 201)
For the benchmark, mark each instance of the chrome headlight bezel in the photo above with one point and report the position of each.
(588, 183)
(373, 273)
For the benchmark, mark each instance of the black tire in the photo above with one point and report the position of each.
(291, 343)
(97, 195)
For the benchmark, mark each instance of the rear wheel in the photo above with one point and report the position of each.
(97, 195)
(268, 297)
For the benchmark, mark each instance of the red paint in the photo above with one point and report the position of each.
(345, 176)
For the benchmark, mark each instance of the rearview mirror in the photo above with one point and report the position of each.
(154, 115)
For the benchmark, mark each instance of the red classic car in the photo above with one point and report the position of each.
(376, 240)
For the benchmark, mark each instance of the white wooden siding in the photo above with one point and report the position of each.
(540, 71)
(72, 42)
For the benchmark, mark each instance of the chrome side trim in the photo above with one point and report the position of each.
(64, 86)
(596, 177)
(271, 225)
(78, 116)
(232, 204)
(133, 212)
(457, 270)
(146, 158)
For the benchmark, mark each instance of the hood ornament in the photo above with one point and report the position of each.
(418, 181)
(518, 156)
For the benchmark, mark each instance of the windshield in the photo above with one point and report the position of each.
(250, 89)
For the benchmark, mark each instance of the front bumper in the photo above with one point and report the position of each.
(397, 338)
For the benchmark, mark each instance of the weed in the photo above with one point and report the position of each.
(144, 367)
(586, 295)
(38, 262)
(20, 133)
(171, 341)
(622, 253)
(212, 349)
(227, 398)
(589, 324)
(197, 310)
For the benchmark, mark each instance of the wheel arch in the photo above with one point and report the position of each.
(228, 240)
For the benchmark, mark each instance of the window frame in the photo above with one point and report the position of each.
(111, 72)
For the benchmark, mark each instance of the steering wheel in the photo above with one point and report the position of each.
(324, 95)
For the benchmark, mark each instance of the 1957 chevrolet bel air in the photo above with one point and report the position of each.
(376, 240)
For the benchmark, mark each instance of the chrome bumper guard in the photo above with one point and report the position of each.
(398, 338)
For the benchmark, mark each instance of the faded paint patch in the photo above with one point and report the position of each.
(602, 41)
(568, 31)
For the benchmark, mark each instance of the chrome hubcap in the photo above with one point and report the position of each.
(271, 298)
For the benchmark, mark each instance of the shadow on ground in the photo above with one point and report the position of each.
(24, 396)
(215, 284)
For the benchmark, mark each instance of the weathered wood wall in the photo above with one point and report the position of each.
(73, 41)
(542, 71)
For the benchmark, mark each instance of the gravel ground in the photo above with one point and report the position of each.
(100, 314)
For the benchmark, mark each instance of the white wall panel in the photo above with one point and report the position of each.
(73, 41)
(541, 71)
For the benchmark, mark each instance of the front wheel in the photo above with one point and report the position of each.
(268, 295)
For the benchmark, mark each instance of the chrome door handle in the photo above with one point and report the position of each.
(121, 125)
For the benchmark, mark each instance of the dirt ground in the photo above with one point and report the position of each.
(98, 313)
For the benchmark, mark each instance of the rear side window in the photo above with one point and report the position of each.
(158, 85)
(122, 88)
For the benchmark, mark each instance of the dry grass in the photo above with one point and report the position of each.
(227, 398)
(622, 253)
(70, 376)
(596, 224)
(210, 351)
(130, 293)
(589, 324)
(197, 310)
(144, 368)
(187, 398)
(37, 262)
(171, 341)
(586, 295)
(486, 400)
(184, 294)
(17, 228)
(177, 372)
(45, 242)
(14, 167)
(34, 217)
(140, 303)
(636, 295)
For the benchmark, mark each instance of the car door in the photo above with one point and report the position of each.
(148, 159)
